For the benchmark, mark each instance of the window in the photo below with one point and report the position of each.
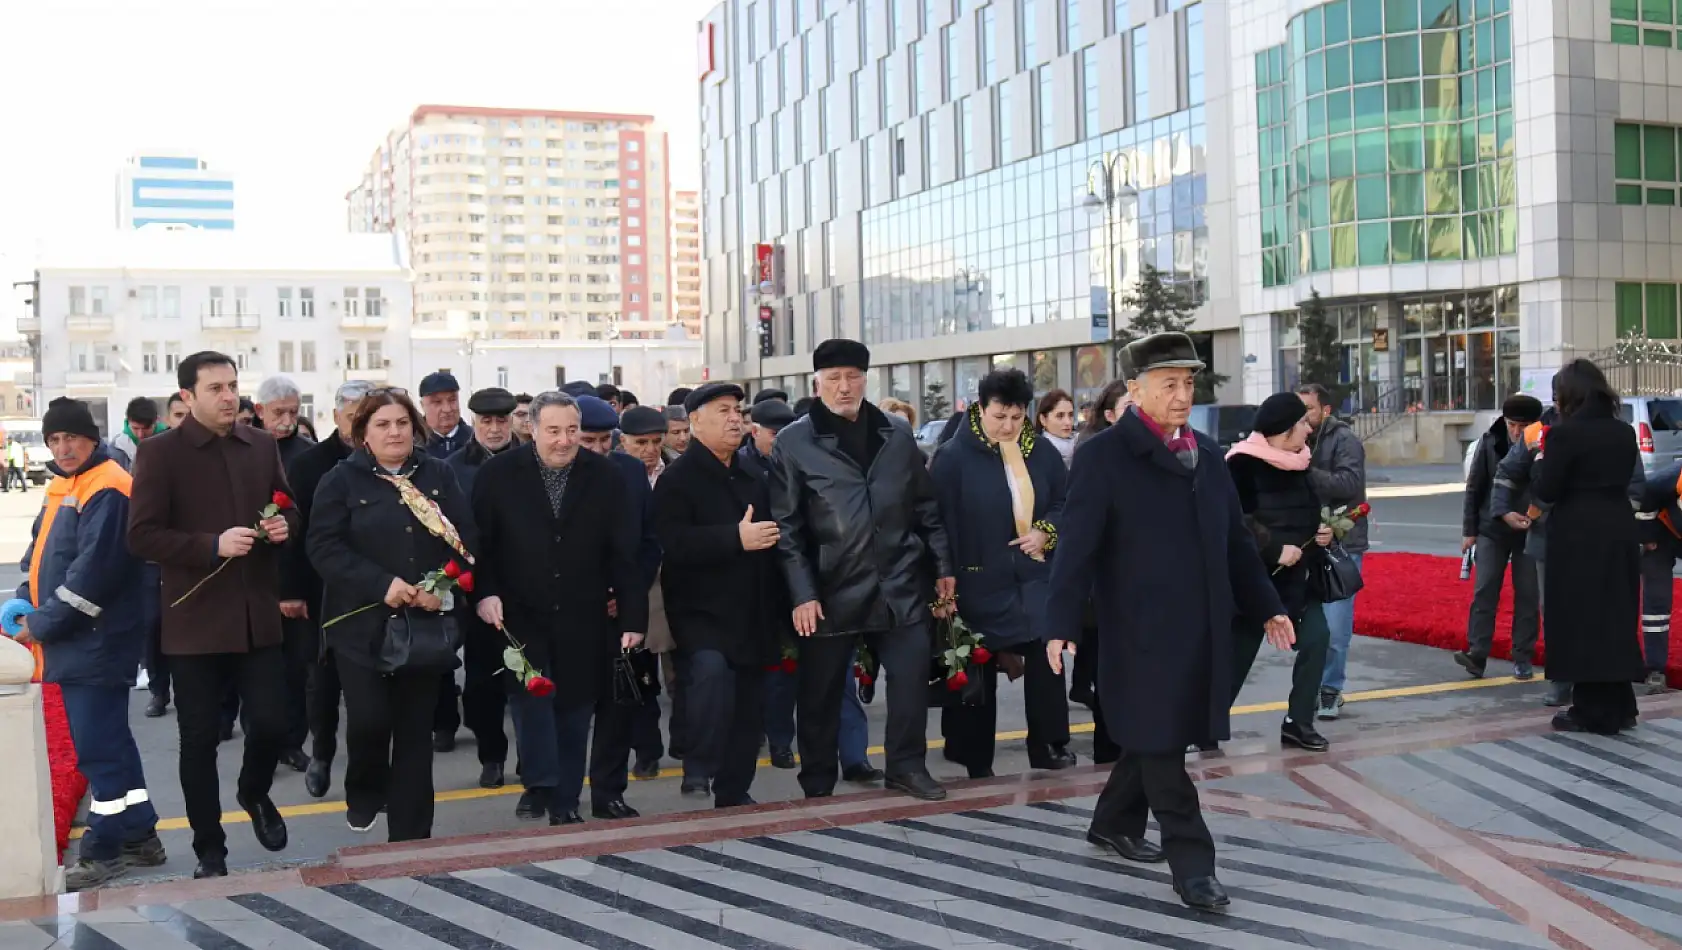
(1028, 28)
(148, 303)
(306, 304)
(172, 355)
(966, 136)
(306, 356)
(1046, 107)
(1003, 122)
(890, 90)
(283, 302)
(216, 301)
(353, 355)
(918, 88)
(288, 357)
(1071, 25)
(242, 306)
(353, 304)
(172, 303)
(371, 301)
(78, 301)
(954, 80)
(1195, 55)
(1141, 76)
(1645, 164)
(931, 148)
(1091, 116)
(101, 300)
(1646, 22)
(149, 358)
(989, 34)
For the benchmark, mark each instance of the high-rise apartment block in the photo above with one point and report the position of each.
(686, 261)
(527, 223)
(157, 187)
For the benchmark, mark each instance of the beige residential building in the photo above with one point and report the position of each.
(528, 223)
(686, 261)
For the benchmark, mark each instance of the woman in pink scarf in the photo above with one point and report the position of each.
(1270, 469)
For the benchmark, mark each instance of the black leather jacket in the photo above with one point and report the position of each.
(857, 541)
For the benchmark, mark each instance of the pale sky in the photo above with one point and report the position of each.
(293, 96)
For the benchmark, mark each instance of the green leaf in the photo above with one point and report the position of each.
(514, 660)
(269, 511)
(963, 651)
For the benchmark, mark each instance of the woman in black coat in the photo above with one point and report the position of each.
(1000, 488)
(1591, 588)
(382, 519)
(1270, 471)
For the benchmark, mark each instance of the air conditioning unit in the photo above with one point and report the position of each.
(387, 363)
(132, 293)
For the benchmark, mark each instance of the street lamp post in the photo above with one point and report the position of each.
(1108, 184)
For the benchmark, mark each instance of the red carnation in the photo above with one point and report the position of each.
(788, 665)
(281, 500)
(452, 570)
(465, 581)
(957, 681)
(981, 654)
(540, 686)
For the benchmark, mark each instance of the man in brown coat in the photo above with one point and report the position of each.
(199, 493)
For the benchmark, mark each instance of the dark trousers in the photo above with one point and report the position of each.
(446, 714)
(1313, 638)
(321, 695)
(120, 809)
(780, 692)
(1657, 593)
(1492, 556)
(904, 655)
(1604, 708)
(619, 731)
(484, 695)
(157, 665)
(1141, 784)
(1085, 681)
(301, 643)
(553, 740)
(14, 476)
(388, 741)
(726, 704)
(677, 723)
(969, 730)
(202, 683)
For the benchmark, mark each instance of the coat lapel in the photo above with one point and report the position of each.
(1144, 442)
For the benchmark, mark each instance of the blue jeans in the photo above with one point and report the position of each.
(854, 737)
(121, 809)
(552, 740)
(781, 690)
(1340, 618)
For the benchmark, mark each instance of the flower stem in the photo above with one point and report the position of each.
(207, 577)
(351, 614)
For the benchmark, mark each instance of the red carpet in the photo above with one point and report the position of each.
(1418, 598)
(68, 784)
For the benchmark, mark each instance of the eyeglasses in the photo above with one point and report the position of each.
(388, 391)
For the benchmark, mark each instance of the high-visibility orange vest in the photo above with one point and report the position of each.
(74, 491)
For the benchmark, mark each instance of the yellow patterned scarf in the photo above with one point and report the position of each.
(427, 512)
(1021, 485)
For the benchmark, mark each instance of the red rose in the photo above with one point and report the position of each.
(981, 654)
(465, 581)
(957, 681)
(773, 667)
(865, 679)
(540, 686)
(1364, 509)
(452, 570)
(281, 500)
(788, 664)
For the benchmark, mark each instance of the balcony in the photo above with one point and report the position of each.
(27, 325)
(90, 322)
(222, 320)
(379, 376)
(90, 381)
(365, 321)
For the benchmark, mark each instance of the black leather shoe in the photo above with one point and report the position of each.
(1203, 893)
(1565, 722)
(782, 759)
(443, 742)
(1054, 759)
(532, 805)
(318, 778)
(265, 821)
(1138, 850)
(980, 773)
(566, 818)
(490, 775)
(1303, 736)
(211, 865)
(297, 759)
(156, 707)
(863, 774)
(696, 786)
(742, 802)
(646, 769)
(919, 785)
(1473, 666)
(614, 810)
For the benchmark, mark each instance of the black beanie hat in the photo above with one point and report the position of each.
(69, 415)
(1278, 413)
(1521, 408)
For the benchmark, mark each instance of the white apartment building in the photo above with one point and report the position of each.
(165, 187)
(686, 261)
(530, 224)
(116, 312)
(648, 368)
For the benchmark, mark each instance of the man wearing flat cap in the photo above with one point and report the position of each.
(1153, 532)
(858, 525)
(765, 394)
(622, 729)
(723, 593)
(440, 397)
(769, 418)
(642, 434)
(484, 701)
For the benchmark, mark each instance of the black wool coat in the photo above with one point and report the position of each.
(1592, 584)
(298, 579)
(1279, 508)
(362, 536)
(1001, 591)
(556, 575)
(1165, 554)
(717, 596)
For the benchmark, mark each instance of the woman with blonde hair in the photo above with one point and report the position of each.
(901, 408)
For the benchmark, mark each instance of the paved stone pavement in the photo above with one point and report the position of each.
(1490, 834)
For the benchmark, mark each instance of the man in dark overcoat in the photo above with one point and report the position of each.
(858, 524)
(723, 590)
(557, 538)
(199, 491)
(301, 585)
(1152, 529)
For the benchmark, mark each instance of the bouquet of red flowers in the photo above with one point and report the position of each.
(788, 659)
(955, 674)
(278, 502)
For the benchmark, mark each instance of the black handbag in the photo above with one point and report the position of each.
(633, 678)
(1334, 575)
(419, 640)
